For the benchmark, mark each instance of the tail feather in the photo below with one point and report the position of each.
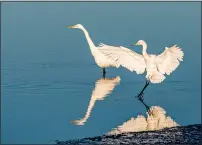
(156, 77)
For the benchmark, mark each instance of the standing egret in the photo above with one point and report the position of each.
(100, 59)
(155, 65)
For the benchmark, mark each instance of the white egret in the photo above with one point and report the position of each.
(156, 65)
(103, 87)
(101, 60)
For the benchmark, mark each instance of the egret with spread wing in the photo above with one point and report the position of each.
(100, 59)
(155, 65)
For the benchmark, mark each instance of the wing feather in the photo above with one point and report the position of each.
(169, 59)
(124, 57)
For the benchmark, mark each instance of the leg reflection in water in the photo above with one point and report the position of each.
(141, 94)
(146, 106)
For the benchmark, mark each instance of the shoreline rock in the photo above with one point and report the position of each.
(190, 134)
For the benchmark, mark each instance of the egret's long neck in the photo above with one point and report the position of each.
(90, 42)
(144, 48)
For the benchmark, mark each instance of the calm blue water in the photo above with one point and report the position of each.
(48, 73)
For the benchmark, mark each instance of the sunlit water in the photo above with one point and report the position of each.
(52, 88)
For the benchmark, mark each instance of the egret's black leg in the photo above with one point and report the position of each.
(104, 72)
(140, 95)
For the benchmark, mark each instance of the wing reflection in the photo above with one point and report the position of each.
(156, 119)
(103, 87)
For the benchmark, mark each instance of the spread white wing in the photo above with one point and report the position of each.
(125, 57)
(169, 60)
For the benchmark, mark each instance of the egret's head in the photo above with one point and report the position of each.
(79, 26)
(140, 42)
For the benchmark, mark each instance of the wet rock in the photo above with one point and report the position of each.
(190, 134)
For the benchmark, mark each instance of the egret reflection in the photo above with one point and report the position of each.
(156, 119)
(103, 87)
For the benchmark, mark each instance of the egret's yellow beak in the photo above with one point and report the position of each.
(134, 44)
(71, 26)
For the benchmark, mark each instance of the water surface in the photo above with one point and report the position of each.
(48, 74)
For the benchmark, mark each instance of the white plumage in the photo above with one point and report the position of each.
(155, 65)
(100, 59)
(115, 56)
(125, 57)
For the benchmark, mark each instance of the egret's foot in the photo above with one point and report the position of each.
(140, 96)
(149, 112)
